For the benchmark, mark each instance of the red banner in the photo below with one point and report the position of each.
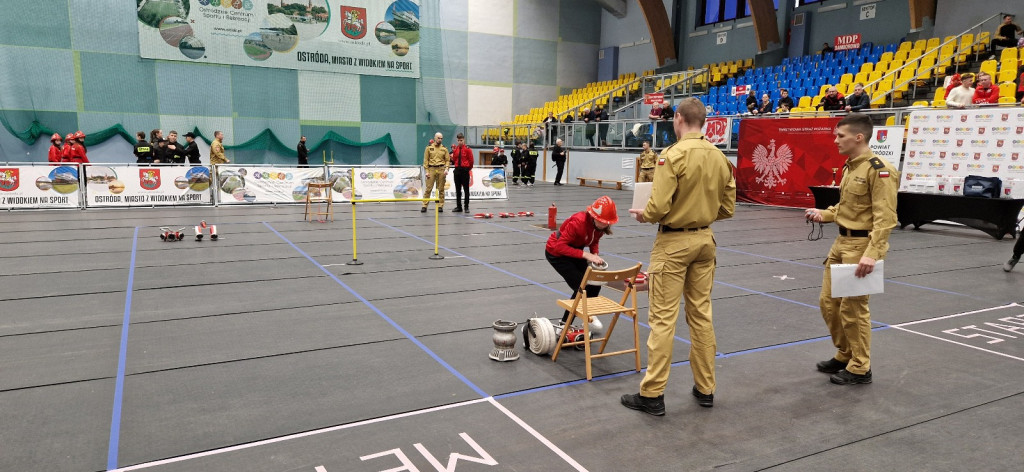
(779, 159)
(847, 41)
(652, 98)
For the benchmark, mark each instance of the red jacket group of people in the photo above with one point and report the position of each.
(72, 149)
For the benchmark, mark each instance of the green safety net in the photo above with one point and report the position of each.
(265, 147)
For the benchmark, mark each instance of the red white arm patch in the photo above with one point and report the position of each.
(661, 161)
(883, 174)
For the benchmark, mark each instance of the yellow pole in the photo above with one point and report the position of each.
(436, 255)
(352, 182)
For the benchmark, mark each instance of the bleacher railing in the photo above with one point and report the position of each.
(959, 50)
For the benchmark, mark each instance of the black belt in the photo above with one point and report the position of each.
(442, 165)
(854, 233)
(646, 168)
(665, 229)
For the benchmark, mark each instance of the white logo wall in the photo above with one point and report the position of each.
(30, 186)
(952, 144)
(126, 186)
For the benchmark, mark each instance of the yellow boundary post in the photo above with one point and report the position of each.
(355, 261)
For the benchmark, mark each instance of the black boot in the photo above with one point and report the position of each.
(651, 406)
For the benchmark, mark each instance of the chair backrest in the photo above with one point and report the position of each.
(1007, 89)
(593, 275)
(1007, 100)
(1008, 54)
(890, 121)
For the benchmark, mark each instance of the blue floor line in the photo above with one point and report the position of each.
(478, 261)
(386, 318)
(122, 356)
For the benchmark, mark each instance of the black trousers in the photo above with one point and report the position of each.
(461, 176)
(517, 171)
(530, 170)
(560, 165)
(572, 269)
(1018, 247)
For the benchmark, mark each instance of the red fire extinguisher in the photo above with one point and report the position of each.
(552, 216)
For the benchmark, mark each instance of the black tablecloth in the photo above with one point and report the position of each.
(994, 216)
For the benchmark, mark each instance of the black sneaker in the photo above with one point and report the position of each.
(457, 210)
(831, 366)
(845, 377)
(704, 400)
(1010, 263)
(651, 406)
(440, 209)
(423, 209)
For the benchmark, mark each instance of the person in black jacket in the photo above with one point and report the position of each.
(160, 155)
(175, 151)
(499, 158)
(858, 100)
(601, 117)
(192, 150)
(785, 100)
(303, 152)
(517, 163)
(558, 156)
(752, 102)
(143, 150)
(530, 164)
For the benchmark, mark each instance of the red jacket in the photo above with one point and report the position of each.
(65, 152)
(462, 156)
(78, 154)
(577, 232)
(991, 95)
(56, 154)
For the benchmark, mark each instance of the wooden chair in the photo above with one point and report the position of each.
(319, 198)
(585, 307)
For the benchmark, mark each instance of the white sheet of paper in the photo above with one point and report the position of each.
(846, 284)
(641, 193)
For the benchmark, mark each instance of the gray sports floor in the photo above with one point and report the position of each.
(265, 352)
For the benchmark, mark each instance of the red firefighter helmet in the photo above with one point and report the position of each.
(55, 137)
(603, 210)
(79, 135)
(69, 137)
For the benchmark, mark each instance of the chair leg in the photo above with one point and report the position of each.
(561, 337)
(636, 340)
(586, 348)
(608, 333)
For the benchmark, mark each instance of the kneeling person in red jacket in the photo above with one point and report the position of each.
(564, 250)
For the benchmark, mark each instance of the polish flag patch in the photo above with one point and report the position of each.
(883, 174)
(661, 161)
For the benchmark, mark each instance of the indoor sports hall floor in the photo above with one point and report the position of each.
(264, 351)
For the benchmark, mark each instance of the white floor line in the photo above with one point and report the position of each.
(955, 315)
(540, 437)
(294, 436)
(958, 343)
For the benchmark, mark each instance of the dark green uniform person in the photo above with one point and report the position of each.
(866, 214)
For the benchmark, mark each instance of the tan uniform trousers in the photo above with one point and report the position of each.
(646, 175)
(682, 266)
(435, 177)
(847, 318)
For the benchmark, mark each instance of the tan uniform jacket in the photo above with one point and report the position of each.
(217, 153)
(867, 201)
(647, 159)
(693, 185)
(435, 155)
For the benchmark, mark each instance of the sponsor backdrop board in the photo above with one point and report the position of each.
(28, 186)
(371, 37)
(485, 183)
(127, 186)
(373, 183)
(718, 130)
(887, 143)
(944, 146)
(778, 160)
(255, 184)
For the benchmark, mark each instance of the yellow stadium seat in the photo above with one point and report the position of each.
(939, 104)
(1006, 75)
(1007, 89)
(816, 100)
(1008, 54)
(886, 56)
(890, 121)
(875, 76)
(981, 45)
(844, 88)
(989, 67)
(805, 102)
(882, 65)
(967, 42)
(901, 55)
(933, 43)
(846, 79)
(905, 46)
(862, 77)
(920, 103)
(867, 67)
(1010, 100)
(920, 44)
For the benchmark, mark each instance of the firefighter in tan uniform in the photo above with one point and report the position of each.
(647, 159)
(866, 214)
(435, 166)
(693, 187)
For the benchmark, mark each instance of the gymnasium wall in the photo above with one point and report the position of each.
(70, 65)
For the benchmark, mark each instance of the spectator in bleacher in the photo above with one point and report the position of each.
(827, 48)
(766, 105)
(587, 117)
(985, 93)
(143, 150)
(549, 130)
(601, 117)
(858, 100)
(655, 112)
(785, 101)
(963, 95)
(752, 102)
(1006, 35)
(833, 101)
(952, 81)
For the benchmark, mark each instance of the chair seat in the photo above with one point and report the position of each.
(595, 306)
